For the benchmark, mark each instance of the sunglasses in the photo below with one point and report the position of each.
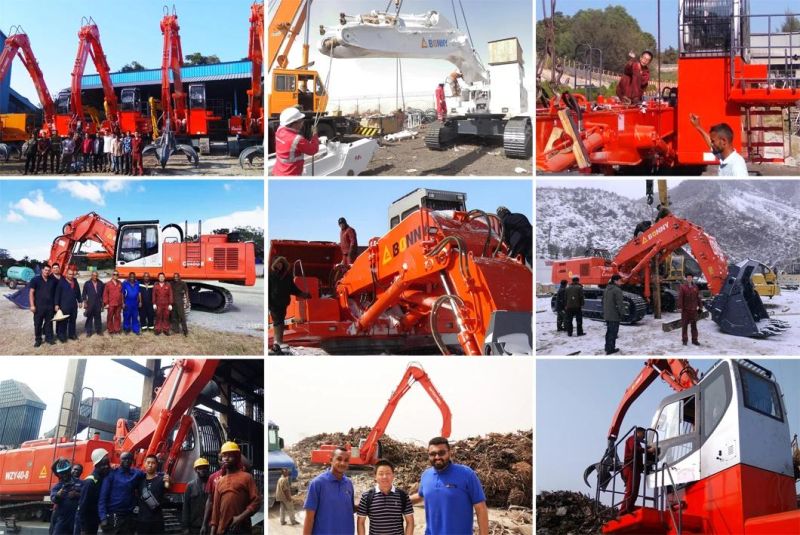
(438, 453)
(116, 274)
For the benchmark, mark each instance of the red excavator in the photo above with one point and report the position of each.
(248, 131)
(139, 246)
(69, 101)
(161, 430)
(442, 275)
(722, 454)
(368, 451)
(18, 43)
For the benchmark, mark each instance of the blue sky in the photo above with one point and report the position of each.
(576, 399)
(309, 209)
(646, 13)
(33, 212)
(128, 31)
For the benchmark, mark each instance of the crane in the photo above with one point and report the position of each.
(70, 103)
(18, 44)
(369, 450)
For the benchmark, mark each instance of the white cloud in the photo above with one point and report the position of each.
(113, 185)
(14, 217)
(227, 187)
(249, 218)
(35, 206)
(83, 190)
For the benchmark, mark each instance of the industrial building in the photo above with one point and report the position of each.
(20, 413)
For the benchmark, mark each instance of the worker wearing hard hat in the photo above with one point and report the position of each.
(236, 496)
(65, 496)
(194, 498)
(87, 520)
(290, 145)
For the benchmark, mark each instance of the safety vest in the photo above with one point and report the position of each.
(290, 151)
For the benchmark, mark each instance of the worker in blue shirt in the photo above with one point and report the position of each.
(451, 491)
(132, 295)
(118, 497)
(330, 501)
(65, 496)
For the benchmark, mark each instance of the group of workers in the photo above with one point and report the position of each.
(127, 501)
(132, 306)
(79, 152)
(451, 493)
(570, 301)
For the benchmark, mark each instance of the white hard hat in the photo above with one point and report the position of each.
(98, 455)
(291, 115)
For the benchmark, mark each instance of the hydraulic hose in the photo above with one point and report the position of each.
(454, 300)
(463, 266)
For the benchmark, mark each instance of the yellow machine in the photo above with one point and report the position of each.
(765, 281)
(12, 127)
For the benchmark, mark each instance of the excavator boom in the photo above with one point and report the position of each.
(369, 450)
(255, 95)
(88, 227)
(18, 43)
(89, 45)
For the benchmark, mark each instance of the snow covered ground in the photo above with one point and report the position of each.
(647, 337)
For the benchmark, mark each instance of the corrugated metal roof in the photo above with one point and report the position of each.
(13, 393)
(231, 70)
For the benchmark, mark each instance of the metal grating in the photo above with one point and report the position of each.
(226, 258)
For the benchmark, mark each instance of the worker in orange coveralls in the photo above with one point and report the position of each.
(441, 105)
(635, 78)
(290, 146)
(633, 468)
(112, 299)
(162, 304)
(348, 242)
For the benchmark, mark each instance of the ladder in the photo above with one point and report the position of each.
(759, 146)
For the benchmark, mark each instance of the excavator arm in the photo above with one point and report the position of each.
(369, 450)
(173, 103)
(88, 227)
(677, 373)
(19, 44)
(89, 44)
(255, 95)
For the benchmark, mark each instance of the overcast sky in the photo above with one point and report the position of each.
(314, 395)
(45, 376)
(633, 188)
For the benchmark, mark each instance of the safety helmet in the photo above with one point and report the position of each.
(98, 455)
(61, 465)
(229, 447)
(291, 115)
(200, 462)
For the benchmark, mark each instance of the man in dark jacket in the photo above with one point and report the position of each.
(93, 305)
(281, 287)
(194, 499)
(146, 313)
(690, 306)
(29, 150)
(613, 312)
(68, 301)
(348, 242)
(150, 494)
(180, 296)
(517, 234)
(65, 495)
(561, 301)
(573, 307)
(87, 518)
(118, 497)
(42, 295)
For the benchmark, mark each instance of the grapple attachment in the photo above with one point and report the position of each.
(250, 154)
(166, 145)
(606, 468)
(738, 309)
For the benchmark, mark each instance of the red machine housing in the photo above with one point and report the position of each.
(252, 124)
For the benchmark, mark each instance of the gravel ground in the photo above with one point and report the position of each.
(410, 157)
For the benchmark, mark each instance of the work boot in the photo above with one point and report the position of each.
(88, 335)
(581, 334)
(695, 342)
(685, 342)
(276, 350)
(615, 350)
(38, 343)
(166, 333)
(51, 342)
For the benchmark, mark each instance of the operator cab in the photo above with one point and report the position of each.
(130, 99)
(432, 199)
(197, 96)
(710, 27)
(63, 101)
(138, 244)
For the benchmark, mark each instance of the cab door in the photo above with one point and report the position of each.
(138, 247)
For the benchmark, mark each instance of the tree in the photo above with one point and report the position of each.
(255, 235)
(4, 254)
(199, 59)
(669, 56)
(133, 66)
(791, 24)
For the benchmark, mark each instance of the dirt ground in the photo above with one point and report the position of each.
(410, 157)
(239, 331)
(210, 165)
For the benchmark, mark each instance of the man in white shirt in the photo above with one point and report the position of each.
(720, 140)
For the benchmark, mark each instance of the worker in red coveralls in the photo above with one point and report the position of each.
(137, 146)
(441, 105)
(633, 468)
(162, 304)
(690, 306)
(347, 242)
(290, 146)
(635, 78)
(112, 300)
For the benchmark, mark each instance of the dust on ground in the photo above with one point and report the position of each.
(503, 463)
(410, 157)
(178, 165)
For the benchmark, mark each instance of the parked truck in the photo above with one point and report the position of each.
(277, 460)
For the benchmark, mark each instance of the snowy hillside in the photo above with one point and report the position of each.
(750, 218)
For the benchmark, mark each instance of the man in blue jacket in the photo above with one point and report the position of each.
(93, 305)
(118, 498)
(64, 495)
(132, 302)
(68, 301)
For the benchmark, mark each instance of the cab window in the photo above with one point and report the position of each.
(284, 82)
(761, 395)
(131, 244)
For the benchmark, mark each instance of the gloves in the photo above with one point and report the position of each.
(170, 307)
(155, 307)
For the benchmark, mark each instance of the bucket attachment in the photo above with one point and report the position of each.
(738, 309)
(21, 297)
(510, 333)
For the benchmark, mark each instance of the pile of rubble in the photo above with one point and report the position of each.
(569, 513)
(503, 462)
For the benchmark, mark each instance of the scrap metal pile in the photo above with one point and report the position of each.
(503, 462)
(567, 513)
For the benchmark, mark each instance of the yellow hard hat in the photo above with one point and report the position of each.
(230, 446)
(200, 462)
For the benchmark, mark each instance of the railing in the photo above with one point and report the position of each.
(781, 51)
(664, 505)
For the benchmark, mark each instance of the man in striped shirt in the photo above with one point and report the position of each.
(385, 505)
